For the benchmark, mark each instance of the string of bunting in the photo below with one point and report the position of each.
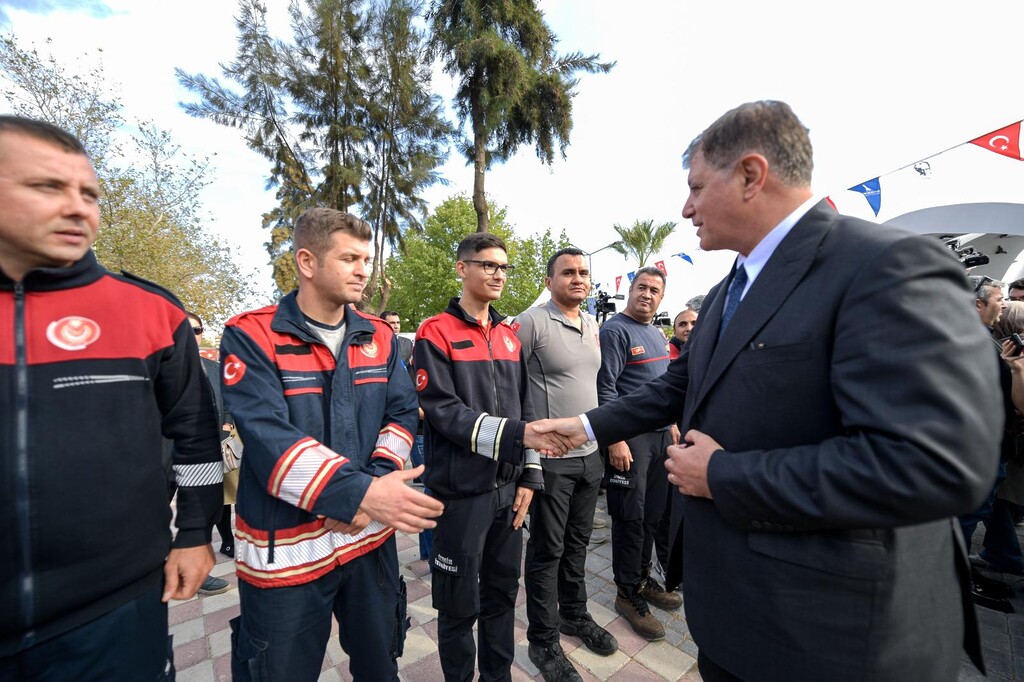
(1005, 141)
(660, 264)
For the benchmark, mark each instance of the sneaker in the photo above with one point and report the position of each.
(214, 585)
(553, 664)
(653, 592)
(599, 523)
(982, 562)
(634, 609)
(594, 637)
(597, 539)
(1000, 604)
(991, 587)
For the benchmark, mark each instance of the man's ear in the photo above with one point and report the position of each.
(754, 170)
(460, 269)
(306, 263)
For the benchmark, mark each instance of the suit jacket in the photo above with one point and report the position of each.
(855, 397)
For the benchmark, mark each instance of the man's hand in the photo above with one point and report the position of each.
(359, 523)
(569, 429)
(547, 442)
(185, 570)
(687, 464)
(522, 503)
(1011, 357)
(619, 456)
(393, 503)
(673, 433)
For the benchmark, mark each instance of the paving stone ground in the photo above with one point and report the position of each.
(202, 645)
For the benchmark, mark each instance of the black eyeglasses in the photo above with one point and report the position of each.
(197, 330)
(490, 268)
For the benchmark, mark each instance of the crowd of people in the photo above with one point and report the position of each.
(794, 459)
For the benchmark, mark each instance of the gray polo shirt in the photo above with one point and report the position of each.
(562, 362)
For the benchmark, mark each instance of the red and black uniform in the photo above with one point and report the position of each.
(95, 369)
(474, 392)
(675, 347)
(316, 430)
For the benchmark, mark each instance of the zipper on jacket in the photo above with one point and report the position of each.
(21, 476)
(494, 380)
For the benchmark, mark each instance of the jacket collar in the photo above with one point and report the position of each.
(455, 309)
(710, 357)
(556, 314)
(289, 320)
(85, 271)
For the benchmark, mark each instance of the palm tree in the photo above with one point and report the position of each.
(513, 88)
(642, 240)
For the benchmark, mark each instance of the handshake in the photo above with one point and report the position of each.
(555, 437)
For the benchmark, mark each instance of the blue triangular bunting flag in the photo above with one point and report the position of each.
(872, 191)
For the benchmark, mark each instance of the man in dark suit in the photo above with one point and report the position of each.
(838, 406)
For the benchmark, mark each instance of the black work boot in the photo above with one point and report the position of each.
(654, 593)
(552, 663)
(631, 606)
(594, 637)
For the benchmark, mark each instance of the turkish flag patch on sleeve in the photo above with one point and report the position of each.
(233, 370)
(421, 379)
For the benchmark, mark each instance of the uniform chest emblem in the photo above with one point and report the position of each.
(369, 349)
(72, 333)
(636, 350)
(510, 345)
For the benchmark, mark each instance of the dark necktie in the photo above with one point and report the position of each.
(732, 301)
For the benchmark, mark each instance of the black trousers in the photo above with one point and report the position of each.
(638, 501)
(712, 672)
(128, 643)
(561, 520)
(475, 560)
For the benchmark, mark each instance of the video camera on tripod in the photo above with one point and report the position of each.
(968, 255)
(603, 304)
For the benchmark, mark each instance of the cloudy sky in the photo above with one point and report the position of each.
(879, 84)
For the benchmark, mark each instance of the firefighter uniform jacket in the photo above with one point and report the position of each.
(316, 430)
(95, 369)
(475, 396)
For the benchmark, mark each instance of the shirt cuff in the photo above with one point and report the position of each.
(586, 427)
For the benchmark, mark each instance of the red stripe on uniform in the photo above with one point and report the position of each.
(284, 463)
(300, 391)
(643, 362)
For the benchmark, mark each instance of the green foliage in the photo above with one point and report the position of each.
(423, 277)
(151, 222)
(40, 87)
(343, 113)
(152, 228)
(406, 136)
(513, 88)
(642, 239)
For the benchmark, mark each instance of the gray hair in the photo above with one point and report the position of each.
(767, 127)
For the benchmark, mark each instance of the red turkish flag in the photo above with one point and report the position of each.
(1005, 141)
(618, 281)
(661, 266)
